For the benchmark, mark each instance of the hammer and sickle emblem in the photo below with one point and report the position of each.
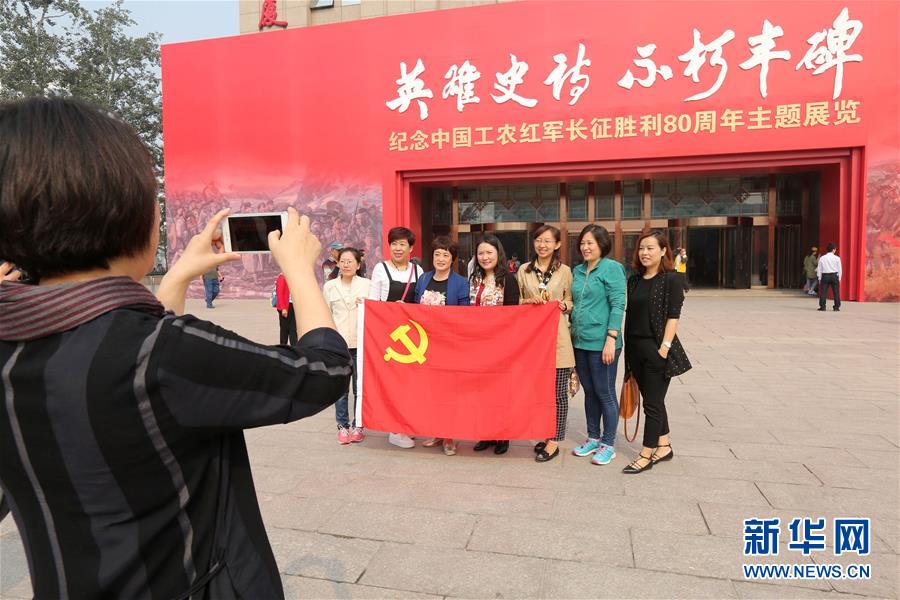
(415, 353)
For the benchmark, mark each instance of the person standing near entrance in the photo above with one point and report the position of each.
(546, 280)
(343, 296)
(810, 269)
(828, 272)
(395, 280)
(492, 285)
(653, 353)
(598, 290)
(443, 287)
(681, 260)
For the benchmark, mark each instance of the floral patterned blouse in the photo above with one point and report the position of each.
(491, 295)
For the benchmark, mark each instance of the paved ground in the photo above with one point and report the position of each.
(788, 412)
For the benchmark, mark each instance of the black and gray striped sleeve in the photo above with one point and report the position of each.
(209, 377)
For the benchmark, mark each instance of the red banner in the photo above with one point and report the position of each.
(459, 372)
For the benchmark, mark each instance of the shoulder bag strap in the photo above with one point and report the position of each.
(413, 270)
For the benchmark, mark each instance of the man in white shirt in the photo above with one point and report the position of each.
(395, 280)
(828, 273)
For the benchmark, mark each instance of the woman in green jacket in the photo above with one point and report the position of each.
(598, 291)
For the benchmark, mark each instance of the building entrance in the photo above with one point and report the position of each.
(720, 257)
(703, 257)
(740, 231)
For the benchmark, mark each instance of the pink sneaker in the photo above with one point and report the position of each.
(343, 435)
(357, 435)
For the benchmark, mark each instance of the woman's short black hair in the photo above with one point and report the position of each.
(445, 242)
(601, 235)
(401, 233)
(77, 187)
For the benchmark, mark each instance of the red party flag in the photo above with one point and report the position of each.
(461, 372)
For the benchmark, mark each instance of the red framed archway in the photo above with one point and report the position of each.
(842, 202)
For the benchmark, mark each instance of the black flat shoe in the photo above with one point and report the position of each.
(501, 447)
(633, 469)
(539, 447)
(484, 445)
(542, 456)
(655, 459)
(820, 309)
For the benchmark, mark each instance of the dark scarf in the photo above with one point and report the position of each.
(29, 312)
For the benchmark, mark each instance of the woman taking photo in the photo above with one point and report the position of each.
(598, 290)
(545, 279)
(492, 284)
(124, 459)
(653, 353)
(442, 287)
(343, 296)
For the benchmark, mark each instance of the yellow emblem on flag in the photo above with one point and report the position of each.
(416, 353)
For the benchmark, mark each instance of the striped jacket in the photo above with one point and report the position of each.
(124, 461)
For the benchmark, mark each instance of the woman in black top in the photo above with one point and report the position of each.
(121, 420)
(653, 353)
(492, 284)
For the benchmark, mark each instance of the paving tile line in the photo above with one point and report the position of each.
(366, 585)
(548, 561)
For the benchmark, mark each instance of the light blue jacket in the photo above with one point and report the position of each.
(599, 304)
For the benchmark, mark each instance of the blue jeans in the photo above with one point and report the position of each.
(212, 288)
(599, 384)
(341, 406)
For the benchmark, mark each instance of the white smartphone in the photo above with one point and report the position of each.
(249, 232)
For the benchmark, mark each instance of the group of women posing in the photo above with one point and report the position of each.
(592, 303)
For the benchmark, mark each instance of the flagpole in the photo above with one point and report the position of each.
(360, 337)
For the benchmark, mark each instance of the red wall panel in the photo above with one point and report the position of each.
(300, 115)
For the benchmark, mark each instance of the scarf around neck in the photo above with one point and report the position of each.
(29, 312)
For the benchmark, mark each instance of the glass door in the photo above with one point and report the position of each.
(737, 256)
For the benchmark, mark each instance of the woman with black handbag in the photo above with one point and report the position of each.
(653, 353)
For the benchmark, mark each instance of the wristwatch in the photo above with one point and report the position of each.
(667, 344)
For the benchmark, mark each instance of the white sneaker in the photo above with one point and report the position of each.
(401, 440)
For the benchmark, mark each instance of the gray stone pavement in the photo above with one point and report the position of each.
(788, 412)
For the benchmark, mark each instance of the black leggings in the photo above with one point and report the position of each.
(649, 368)
(287, 327)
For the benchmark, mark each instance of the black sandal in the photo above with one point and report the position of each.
(544, 456)
(655, 458)
(633, 469)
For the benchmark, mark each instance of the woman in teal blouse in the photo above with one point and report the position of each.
(598, 291)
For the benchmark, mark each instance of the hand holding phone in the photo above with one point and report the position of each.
(248, 233)
(295, 246)
(199, 256)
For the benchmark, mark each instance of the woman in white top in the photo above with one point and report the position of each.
(395, 280)
(344, 295)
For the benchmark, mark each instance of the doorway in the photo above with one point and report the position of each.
(515, 242)
(703, 256)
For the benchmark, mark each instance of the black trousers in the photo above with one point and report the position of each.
(287, 327)
(830, 279)
(649, 368)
